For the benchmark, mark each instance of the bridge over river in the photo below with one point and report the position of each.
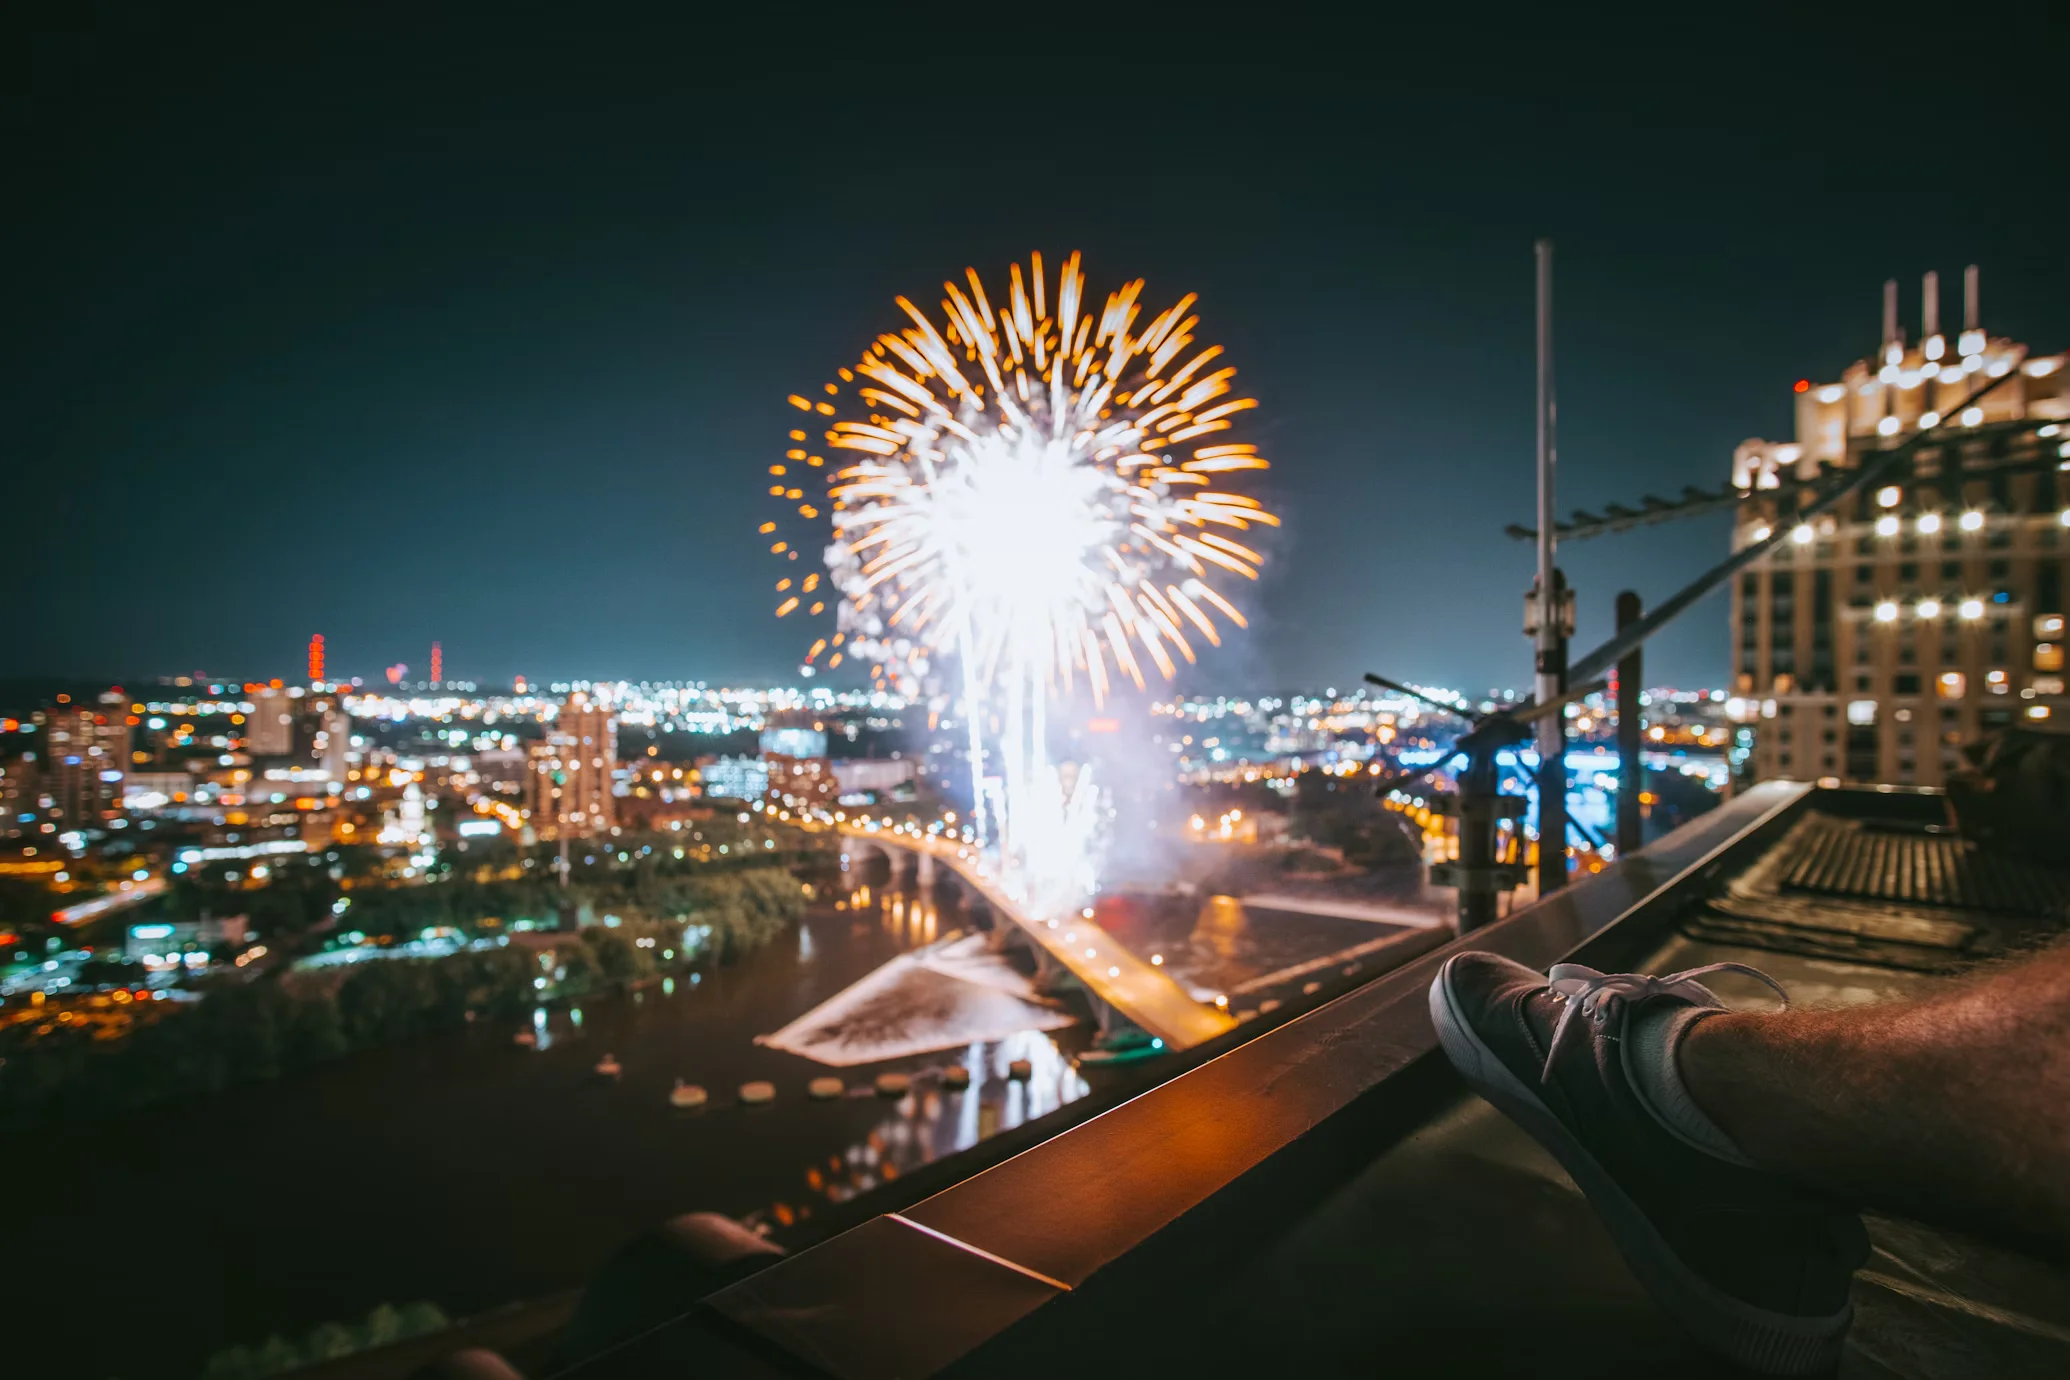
(1119, 983)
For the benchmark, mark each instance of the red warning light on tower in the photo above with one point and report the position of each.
(316, 658)
(438, 664)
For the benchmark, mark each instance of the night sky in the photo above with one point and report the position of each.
(479, 329)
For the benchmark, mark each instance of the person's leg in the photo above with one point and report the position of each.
(1757, 1265)
(1953, 1108)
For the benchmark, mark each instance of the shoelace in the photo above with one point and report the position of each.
(1590, 992)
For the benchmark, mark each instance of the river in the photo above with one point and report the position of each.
(466, 1171)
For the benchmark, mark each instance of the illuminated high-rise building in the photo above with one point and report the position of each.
(85, 758)
(734, 778)
(329, 735)
(438, 664)
(568, 784)
(18, 790)
(270, 731)
(316, 658)
(1886, 635)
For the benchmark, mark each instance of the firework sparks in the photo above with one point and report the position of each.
(1057, 486)
(1045, 493)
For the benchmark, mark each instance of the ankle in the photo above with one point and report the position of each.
(1711, 1065)
(1654, 1044)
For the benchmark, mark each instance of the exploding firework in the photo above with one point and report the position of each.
(1045, 494)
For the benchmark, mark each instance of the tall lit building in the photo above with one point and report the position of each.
(270, 731)
(18, 789)
(568, 781)
(1887, 634)
(85, 758)
(332, 739)
(734, 778)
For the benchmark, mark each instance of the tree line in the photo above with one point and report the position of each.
(245, 1032)
(383, 1325)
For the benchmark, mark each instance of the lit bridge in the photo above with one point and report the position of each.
(1121, 986)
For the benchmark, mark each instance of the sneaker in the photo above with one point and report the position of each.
(1757, 1267)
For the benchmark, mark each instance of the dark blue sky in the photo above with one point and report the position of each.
(479, 329)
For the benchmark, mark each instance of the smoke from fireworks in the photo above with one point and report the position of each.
(1044, 496)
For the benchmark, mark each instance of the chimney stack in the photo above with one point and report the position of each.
(1890, 315)
(1973, 339)
(1930, 290)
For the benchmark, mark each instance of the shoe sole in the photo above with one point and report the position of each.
(1757, 1338)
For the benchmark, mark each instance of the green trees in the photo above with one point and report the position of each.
(617, 955)
(651, 910)
(244, 1032)
(329, 1341)
(743, 910)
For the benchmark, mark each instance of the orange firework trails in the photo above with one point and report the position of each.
(1048, 491)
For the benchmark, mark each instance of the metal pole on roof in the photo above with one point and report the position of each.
(1550, 638)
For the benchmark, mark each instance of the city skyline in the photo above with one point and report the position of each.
(342, 390)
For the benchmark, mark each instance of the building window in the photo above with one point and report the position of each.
(1951, 685)
(1905, 683)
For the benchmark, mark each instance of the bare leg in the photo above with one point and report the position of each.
(1954, 1108)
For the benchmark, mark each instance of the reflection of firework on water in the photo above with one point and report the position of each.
(1044, 491)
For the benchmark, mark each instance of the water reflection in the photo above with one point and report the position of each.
(912, 918)
(857, 1142)
(934, 1119)
(1220, 926)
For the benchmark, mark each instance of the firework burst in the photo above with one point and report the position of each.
(1046, 493)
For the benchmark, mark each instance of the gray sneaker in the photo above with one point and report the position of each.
(1757, 1266)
